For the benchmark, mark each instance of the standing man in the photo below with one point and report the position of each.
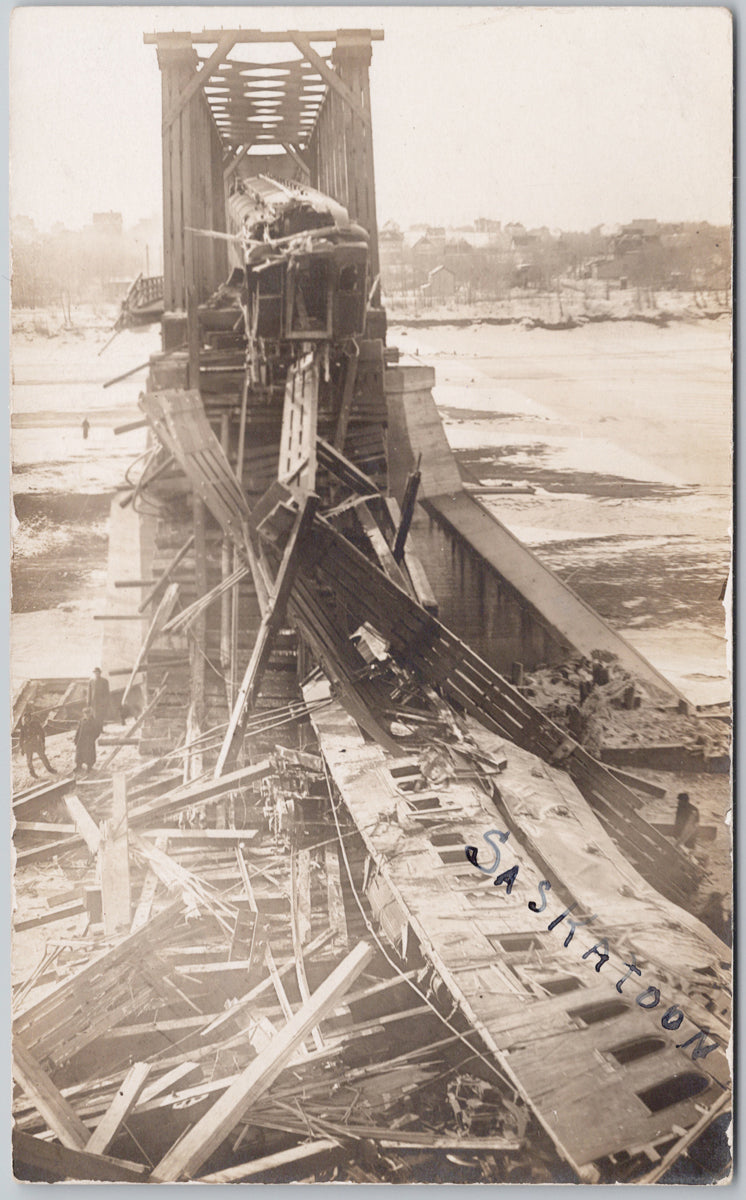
(32, 741)
(98, 697)
(85, 740)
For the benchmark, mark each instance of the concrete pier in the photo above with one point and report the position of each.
(492, 591)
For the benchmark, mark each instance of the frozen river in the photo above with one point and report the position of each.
(624, 431)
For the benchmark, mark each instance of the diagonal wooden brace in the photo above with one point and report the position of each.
(271, 621)
(330, 76)
(199, 79)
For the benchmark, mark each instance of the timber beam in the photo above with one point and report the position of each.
(198, 81)
(271, 621)
(335, 461)
(242, 36)
(330, 76)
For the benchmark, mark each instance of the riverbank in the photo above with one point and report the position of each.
(63, 482)
(572, 304)
(623, 431)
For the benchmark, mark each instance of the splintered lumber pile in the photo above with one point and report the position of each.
(233, 1018)
(188, 1155)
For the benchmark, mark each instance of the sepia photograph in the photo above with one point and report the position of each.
(371, 445)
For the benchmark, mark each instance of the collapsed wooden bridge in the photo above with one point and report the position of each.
(284, 526)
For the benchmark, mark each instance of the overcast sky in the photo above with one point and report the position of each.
(562, 117)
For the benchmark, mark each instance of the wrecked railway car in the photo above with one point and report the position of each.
(388, 911)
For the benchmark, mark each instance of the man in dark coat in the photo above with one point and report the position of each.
(85, 740)
(32, 741)
(98, 697)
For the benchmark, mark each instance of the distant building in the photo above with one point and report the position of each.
(441, 284)
(487, 225)
(425, 255)
(108, 222)
(647, 226)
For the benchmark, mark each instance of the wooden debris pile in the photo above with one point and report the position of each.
(216, 1004)
(606, 709)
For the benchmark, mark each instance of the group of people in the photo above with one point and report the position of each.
(95, 714)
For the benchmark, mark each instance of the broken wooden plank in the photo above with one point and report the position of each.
(84, 823)
(60, 913)
(303, 895)
(266, 984)
(202, 790)
(167, 1081)
(203, 835)
(345, 470)
(334, 896)
(300, 923)
(47, 850)
(138, 721)
(167, 572)
(637, 784)
(183, 619)
(381, 548)
(113, 861)
(408, 503)
(269, 958)
(660, 1169)
(271, 621)
(149, 887)
(92, 985)
(121, 1106)
(69, 1165)
(185, 1158)
(44, 827)
(34, 800)
(52, 1105)
(217, 967)
(155, 629)
(271, 1162)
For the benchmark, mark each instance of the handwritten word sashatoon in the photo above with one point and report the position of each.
(650, 998)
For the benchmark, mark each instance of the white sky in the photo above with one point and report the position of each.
(561, 117)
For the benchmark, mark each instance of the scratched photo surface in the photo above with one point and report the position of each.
(370, 668)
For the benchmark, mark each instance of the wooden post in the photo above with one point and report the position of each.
(225, 570)
(407, 512)
(516, 674)
(113, 858)
(49, 1101)
(177, 60)
(200, 625)
(193, 338)
(351, 58)
(345, 407)
(185, 1158)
